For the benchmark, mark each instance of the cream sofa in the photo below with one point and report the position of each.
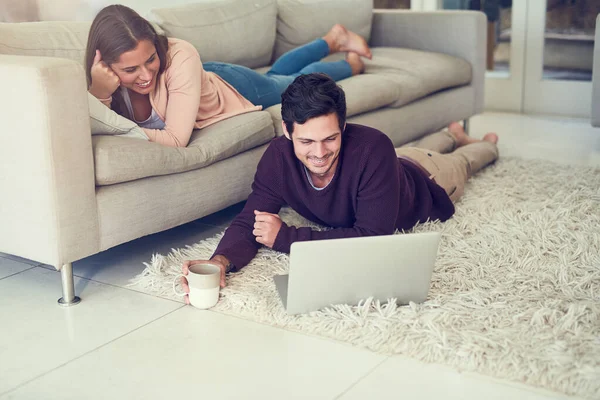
(67, 194)
(596, 78)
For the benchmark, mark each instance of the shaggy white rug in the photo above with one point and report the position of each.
(515, 293)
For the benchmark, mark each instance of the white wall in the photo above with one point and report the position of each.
(89, 8)
(69, 10)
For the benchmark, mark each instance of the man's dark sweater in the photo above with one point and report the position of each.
(372, 193)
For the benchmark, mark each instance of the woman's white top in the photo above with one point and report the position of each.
(153, 121)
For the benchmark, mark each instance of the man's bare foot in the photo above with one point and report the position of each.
(491, 137)
(462, 139)
(341, 39)
(357, 65)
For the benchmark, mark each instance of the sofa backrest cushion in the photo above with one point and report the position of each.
(301, 21)
(234, 31)
(62, 39)
(49, 39)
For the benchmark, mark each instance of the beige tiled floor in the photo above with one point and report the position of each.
(121, 344)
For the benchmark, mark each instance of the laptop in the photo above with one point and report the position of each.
(345, 271)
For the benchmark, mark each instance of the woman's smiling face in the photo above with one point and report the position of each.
(137, 69)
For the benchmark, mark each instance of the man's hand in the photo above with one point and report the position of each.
(186, 269)
(266, 227)
(104, 80)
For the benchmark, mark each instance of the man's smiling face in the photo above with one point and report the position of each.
(317, 144)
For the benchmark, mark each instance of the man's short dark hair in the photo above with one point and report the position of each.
(311, 96)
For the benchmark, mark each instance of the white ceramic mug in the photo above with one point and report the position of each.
(204, 280)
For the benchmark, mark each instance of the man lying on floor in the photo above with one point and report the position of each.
(345, 176)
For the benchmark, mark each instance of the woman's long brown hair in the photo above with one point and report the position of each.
(118, 29)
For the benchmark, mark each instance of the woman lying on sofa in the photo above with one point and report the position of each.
(162, 85)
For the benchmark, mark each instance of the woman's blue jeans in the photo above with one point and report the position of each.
(265, 90)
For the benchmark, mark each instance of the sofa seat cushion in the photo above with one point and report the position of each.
(417, 74)
(395, 77)
(119, 159)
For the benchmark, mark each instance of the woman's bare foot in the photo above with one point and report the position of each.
(357, 65)
(462, 139)
(341, 39)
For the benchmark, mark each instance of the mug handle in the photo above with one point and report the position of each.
(175, 281)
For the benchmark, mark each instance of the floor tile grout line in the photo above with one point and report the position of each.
(11, 257)
(20, 272)
(236, 316)
(288, 330)
(489, 379)
(88, 352)
(111, 285)
(129, 289)
(369, 372)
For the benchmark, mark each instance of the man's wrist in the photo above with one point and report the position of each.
(225, 261)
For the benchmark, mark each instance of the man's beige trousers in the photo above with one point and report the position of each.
(448, 166)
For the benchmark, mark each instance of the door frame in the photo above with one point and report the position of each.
(549, 96)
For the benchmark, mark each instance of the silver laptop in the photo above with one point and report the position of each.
(345, 271)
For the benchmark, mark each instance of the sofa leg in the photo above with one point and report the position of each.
(466, 125)
(68, 287)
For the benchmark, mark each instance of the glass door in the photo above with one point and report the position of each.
(559, 56)
(505, 56)
(539, 53)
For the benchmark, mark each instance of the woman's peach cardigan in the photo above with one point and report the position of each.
(187, 97)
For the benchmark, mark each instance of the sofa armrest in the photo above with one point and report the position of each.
(596, 78)
(48, 207)
(458, 33)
